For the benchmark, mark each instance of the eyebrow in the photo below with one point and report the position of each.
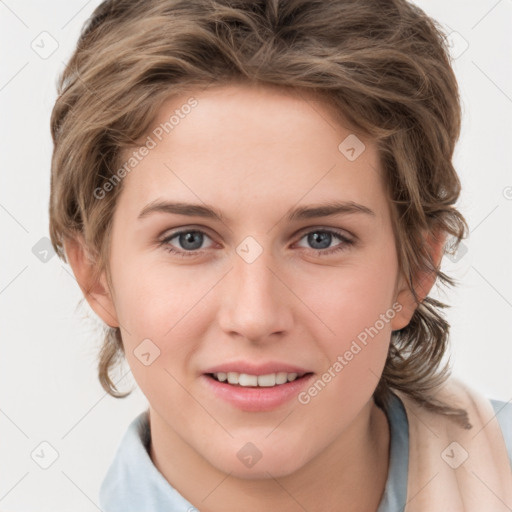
(300, 213)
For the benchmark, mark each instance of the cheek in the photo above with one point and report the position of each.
(356, 308)
(153, 299)
(353, 298)
(162, 311)
(358, 313)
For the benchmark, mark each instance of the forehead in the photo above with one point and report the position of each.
(247, 145)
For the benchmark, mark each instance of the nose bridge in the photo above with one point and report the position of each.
(255, 303)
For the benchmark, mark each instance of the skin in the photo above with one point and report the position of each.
(255, 152)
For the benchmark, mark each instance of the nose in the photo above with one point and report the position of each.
(256, 302)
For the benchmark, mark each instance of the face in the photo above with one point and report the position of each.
(266, 288)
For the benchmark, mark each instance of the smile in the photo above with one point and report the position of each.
(256, 393)
(247, 380)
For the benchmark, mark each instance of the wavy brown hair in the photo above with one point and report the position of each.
(383, 66)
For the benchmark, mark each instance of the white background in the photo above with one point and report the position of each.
(48, 385)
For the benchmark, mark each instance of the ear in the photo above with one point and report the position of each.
(95, 289)
(423, 283)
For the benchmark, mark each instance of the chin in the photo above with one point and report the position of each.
(261, 471)
(250, 463)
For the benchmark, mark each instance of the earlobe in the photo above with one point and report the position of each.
(94, 288)
(423, 283)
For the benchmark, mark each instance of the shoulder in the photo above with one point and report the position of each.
(499, 409)
(482, 410)
(131, 459)
(132, 481)
(503, 411)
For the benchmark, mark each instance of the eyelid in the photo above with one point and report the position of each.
(170, 233)
(338, 231)
(322, 227)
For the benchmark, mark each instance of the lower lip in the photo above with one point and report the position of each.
(255, 399)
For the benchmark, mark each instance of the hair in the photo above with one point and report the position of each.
(382, 65)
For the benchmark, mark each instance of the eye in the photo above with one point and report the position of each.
(321, 239)
(189, 240)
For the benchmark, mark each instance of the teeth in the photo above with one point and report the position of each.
(246, 380)
(281, 377)
(267, 380)
(233, 377)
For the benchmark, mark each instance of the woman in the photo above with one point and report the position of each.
(202, 151)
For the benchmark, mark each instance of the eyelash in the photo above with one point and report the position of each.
(346, 243)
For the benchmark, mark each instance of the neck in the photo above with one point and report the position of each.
(352, 470)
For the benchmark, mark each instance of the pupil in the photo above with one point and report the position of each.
(315, 237)
(187, 238)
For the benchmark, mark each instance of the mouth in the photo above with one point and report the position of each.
(256, 393)
(246, 380)
(253, 387)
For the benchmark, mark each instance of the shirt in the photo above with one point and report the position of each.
(134, 484)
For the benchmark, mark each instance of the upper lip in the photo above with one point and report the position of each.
(257, 369)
